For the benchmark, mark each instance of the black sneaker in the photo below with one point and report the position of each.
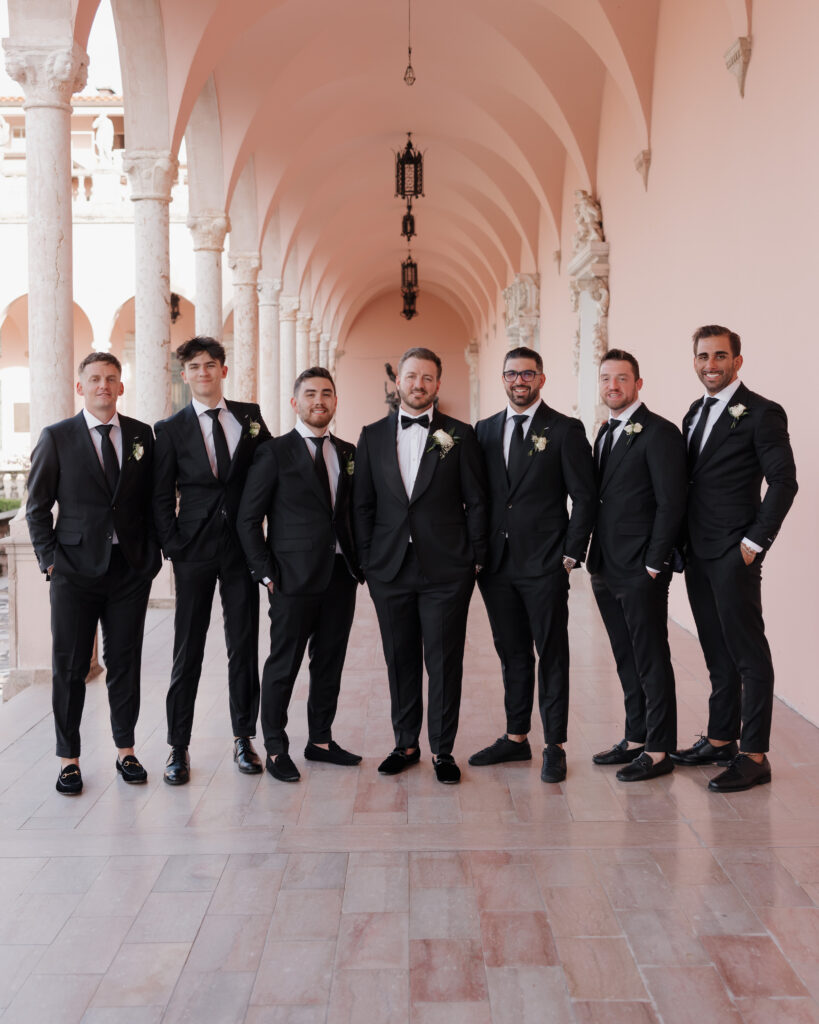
(503, 749)
(744, 773)
(704, 753)
(554, 764)
(446, 770)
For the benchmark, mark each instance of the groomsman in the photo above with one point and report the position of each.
(301, 483)
(641, 479)
(100, 558)
(535, 458)
(203, 454)
(735, 439)
(420, 526)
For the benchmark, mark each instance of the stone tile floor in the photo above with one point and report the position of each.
(355, 898)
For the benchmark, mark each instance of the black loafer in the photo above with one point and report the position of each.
(643, 767)
(335, 755)
(704, 753)
(502, 750)
(131, 770)
(620, 753)
(281, 767)
(69, 781)
(446, 770)
(177, 767)
(744, 773)
(398, 761)
(247, 760)
(554, 764)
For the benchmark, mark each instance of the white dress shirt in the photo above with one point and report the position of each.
(330, 456)
(230, 425)
(509, 426)
(411, 443)
(622, 417)
(96, 438)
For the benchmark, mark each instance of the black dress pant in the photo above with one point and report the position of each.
(726, 599)
(118, 600)
(422, 619)
(529, 614)
(195, 585)
(635, 614)
(321, 623)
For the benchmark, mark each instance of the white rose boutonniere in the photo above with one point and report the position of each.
(137, 450)
(253, 429)
(736, 412)
(444, 442)
(349, 465)
(539, 442)
(631, 429)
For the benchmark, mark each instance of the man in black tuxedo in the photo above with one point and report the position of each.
(100, 558)
(642, 483)
(203, 453)
(535, 458)
(301, 483)
(420, 527)
(735, 439)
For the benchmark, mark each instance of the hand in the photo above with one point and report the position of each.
(748, 554)
(568, 564)
(478, 568)
(270, 586)
(652, 574)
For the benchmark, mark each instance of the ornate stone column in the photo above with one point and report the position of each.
(209, 229)
(269, 358)
(303, 342)
(313, 348)
(471, 354)
(589, 273)
(49, 75)
(288, 310)
(245, 267)
(522, 299)
(151, 174)
(324, 349)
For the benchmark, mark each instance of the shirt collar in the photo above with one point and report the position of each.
(417, 415)
(91, 420)
(727, 393)
(625, 414)
(200, 408)
(530, 412)
(306, 432)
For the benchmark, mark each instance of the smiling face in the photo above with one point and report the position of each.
(315, 403)
(715, 364)
(618, 386)
(520, 391)
(204, 374)
(100, 387)
(417, 384)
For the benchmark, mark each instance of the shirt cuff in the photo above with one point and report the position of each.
(750, 544)
(650, 569)
(568, 558)
(266, 580)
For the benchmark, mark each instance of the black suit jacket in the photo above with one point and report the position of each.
(641, 500)
(66, 469)
(181, 465)
(529, 513)
(724, 503)
(302, 528)
(445, 515)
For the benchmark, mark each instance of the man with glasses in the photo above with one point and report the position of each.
(535, 459)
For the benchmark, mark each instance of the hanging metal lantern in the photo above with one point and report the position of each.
(409, 171)
(408, 222)
(409, 274)
(409, 311)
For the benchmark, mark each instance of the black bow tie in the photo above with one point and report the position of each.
(409, 421)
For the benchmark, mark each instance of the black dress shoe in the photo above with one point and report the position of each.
(620, 753)
(246, 758)
(335, 755)
(177, 767)
(643, 767)
(554, 764)
(131, 770)
(69, 781)
(704, 753)
(503, 749)
(446, 770)
(744, 773)
(281, 767)
(398, 761)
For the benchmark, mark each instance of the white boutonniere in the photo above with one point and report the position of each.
(631, 429)
(539, 442)
(736, 412)
(137, 450)
(349, 465)
(253, 429)
(443, 441)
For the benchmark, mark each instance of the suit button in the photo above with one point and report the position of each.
(109, 536)
(508, 506)
(114, 508)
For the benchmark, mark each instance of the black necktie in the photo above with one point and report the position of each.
(517, 448)
(408, 421)
(607, 443)
(695, 443)
(109, 456)
(220, 445)
(321, 468)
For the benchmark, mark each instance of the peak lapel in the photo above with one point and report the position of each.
(387, 441)
(539, 423)
(720, 430)
(196, 439)
(430, 458)
(302, 458)
(624, 443)
(89, 451)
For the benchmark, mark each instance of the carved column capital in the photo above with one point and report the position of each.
(288, 307)
(737, 59)
(209, 229)
(269, 292)
(522, 299)
(151, 173)
(49, 74)
(471, 353)
(245, 267)
(303, 322)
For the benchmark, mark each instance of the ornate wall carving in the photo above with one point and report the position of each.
(522, 299)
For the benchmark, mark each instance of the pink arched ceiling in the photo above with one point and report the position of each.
(310, 96)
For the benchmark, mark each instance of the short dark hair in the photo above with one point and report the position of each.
(190, 349)
(715, 331)
(622, 356)
(522, 352)
(421, 353)
(312, 371)
(99, 357)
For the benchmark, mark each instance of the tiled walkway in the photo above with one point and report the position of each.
(355, 898)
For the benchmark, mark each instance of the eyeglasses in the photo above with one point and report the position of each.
(527, 376)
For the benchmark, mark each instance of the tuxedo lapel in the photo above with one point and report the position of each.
(196, 439)
(719, 431)
(244, 421)
(389, 456)
(89, 452)
(600, 434)
(624, 443)
(128, 437)
(306, 465)
(343, 454)
(431, 456)
(539, 423)
(495, 458)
